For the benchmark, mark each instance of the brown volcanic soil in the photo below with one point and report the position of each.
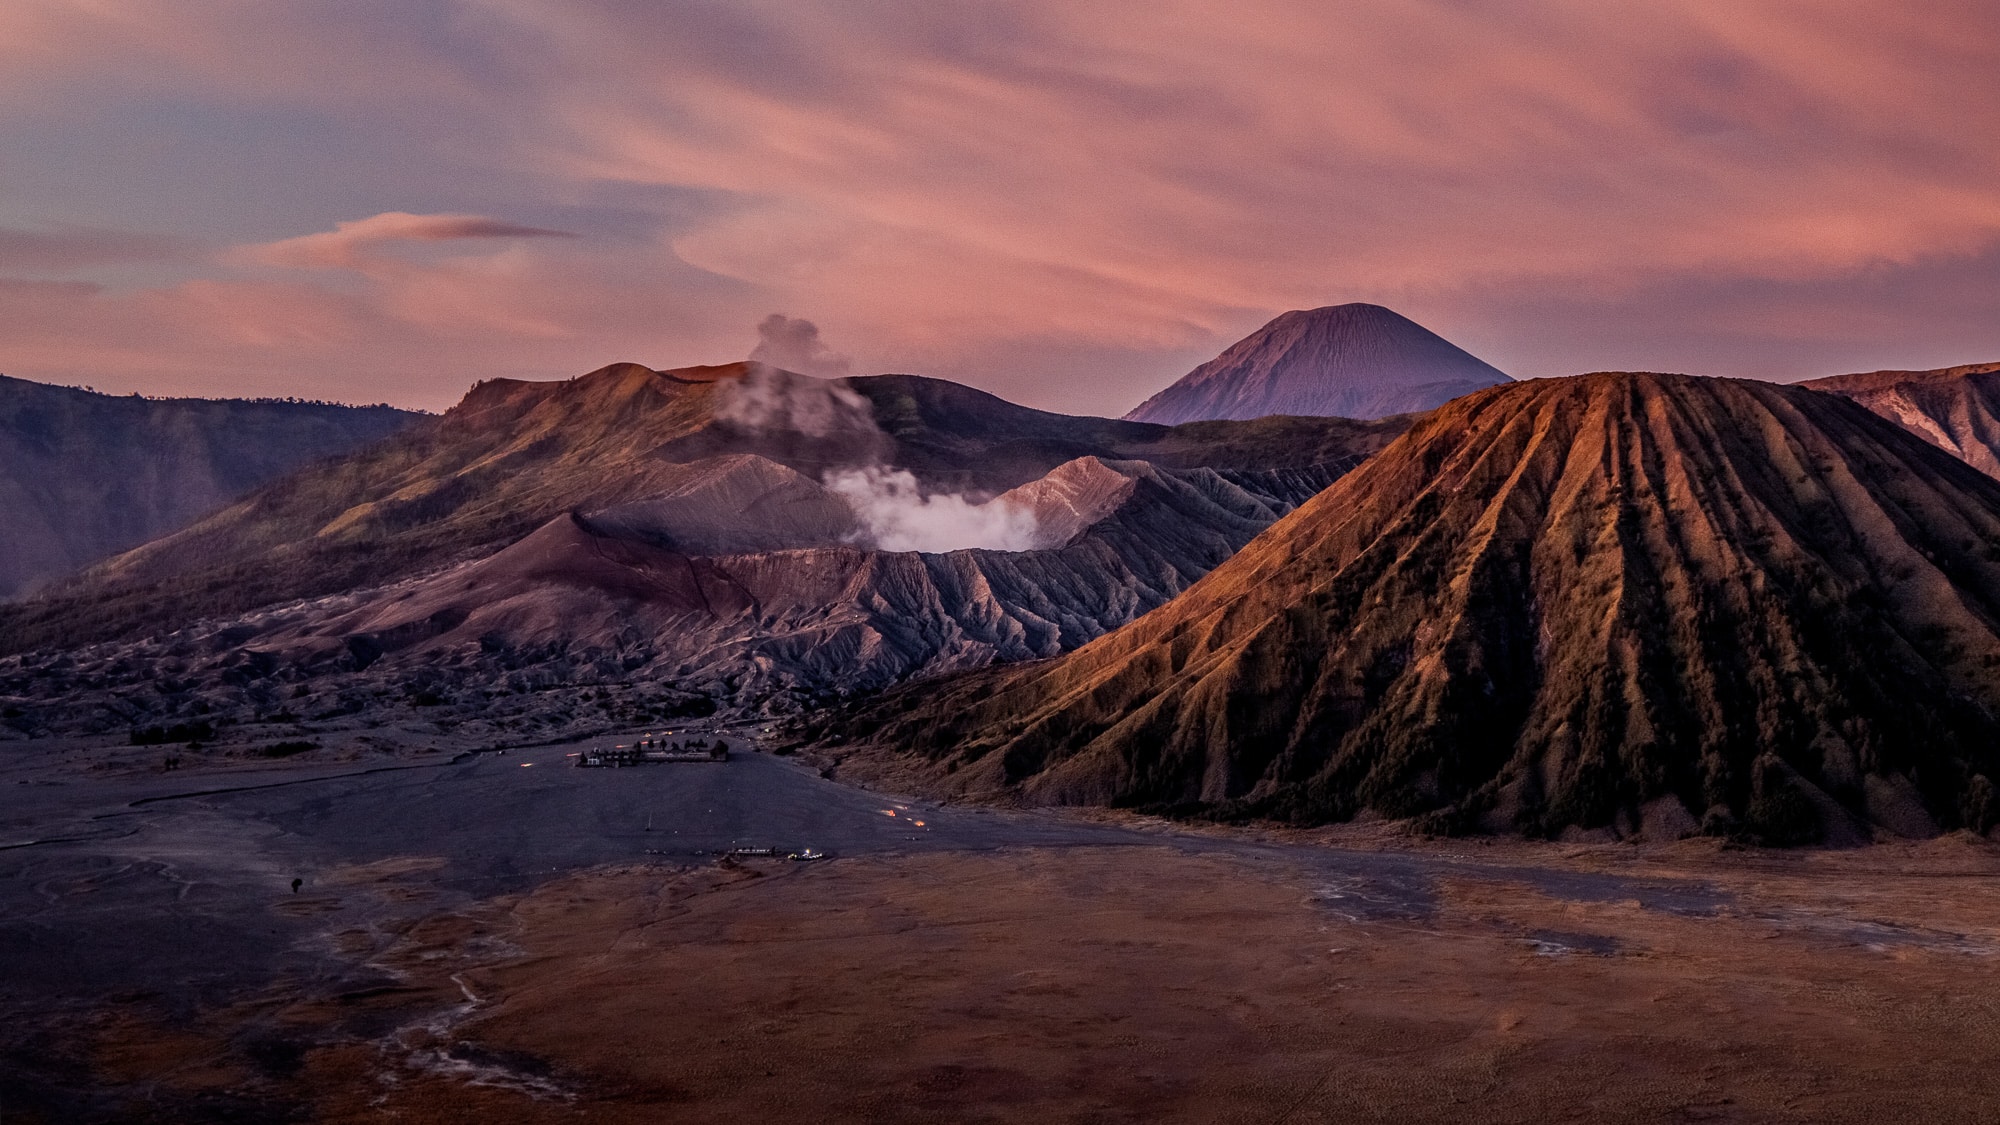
(1617, 603)
(822, 615)
(504, 460)
(736, 592)
(514, 455)
(1137, 984)
(1954, 408)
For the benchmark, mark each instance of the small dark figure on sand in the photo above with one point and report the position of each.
(296, 884)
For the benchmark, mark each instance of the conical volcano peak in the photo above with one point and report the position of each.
(1614, 602)
(1353, 361)
(1353, 313)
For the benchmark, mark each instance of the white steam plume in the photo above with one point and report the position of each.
(891, 511)
(793, 343)
(768, 399)
(895, 515)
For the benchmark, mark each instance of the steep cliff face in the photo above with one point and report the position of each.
(514, 455)
(1956, 409)
(85, 475)
(1351, 361)
(1615, 602)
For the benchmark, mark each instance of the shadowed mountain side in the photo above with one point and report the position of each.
(84, 475)
(574, 605)
(514, 455)
(1954, 408)
(1613, 602)
(1351, 361)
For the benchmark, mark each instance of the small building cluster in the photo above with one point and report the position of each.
(649, 749)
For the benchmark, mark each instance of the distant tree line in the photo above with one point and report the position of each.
(286, 400)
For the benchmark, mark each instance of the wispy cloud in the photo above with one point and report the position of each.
(347, 244)
(1056, 200)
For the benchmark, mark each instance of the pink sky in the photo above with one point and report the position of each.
(1067, 204)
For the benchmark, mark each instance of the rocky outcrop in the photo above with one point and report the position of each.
(1615, 603)
(1351, 361)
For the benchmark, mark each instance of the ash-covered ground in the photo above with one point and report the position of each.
(500, 936)
(202, 685)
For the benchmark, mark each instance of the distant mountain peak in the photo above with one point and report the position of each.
(1352, 361)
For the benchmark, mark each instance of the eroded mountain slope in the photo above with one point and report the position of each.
(514, 455)
(1956, 409)
(621, 598)
(1613, 602)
